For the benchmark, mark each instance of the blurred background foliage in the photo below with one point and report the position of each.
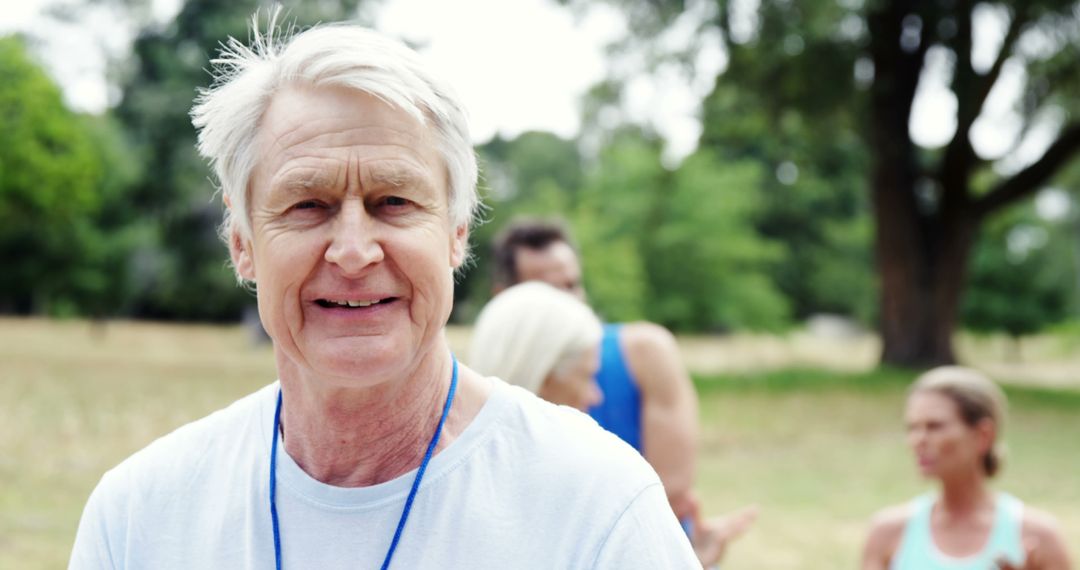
(770, 221)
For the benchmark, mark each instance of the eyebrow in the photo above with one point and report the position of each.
(375, 178)
(395, 176)
(303, 182)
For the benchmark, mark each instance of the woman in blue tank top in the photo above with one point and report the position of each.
(954, 420)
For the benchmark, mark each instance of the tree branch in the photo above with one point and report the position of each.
(911, 65)
(956, 164)
(979, 95)
(963, 79)
(971, 91)
(1028, 180)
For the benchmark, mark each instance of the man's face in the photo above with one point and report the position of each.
(557, 265)
(352, 249)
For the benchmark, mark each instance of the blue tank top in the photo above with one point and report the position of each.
(918, 552)
(620, 411)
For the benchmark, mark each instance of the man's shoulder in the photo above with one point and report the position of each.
(641, 340)
(644, 333)
(571, 442)
(191, 448)
(651, 354)
(548, 456)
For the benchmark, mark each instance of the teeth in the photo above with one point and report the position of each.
(352, 303)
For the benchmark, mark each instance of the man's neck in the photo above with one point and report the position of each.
(354, 437)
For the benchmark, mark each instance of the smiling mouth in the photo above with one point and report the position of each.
(352, 303)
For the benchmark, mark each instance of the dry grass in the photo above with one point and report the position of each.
(822, 455)
(819, 456)
(78, 399)
(1052, 361)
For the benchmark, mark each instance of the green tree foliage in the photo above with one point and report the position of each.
(535, 174)
(813, 200)
(1023, 275)
(674, 246)
(828, 87)
(623, 189)
(784, 102)
(51, 173)
(709, 267)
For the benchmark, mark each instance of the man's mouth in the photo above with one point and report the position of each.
(352, 303)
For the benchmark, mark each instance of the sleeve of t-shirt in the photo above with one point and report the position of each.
(92, 549)
(647, 536)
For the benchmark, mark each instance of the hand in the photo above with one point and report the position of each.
(712, 536)
(686, 506)
(1032, 558)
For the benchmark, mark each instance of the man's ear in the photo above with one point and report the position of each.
(240, 251)
(459, 245)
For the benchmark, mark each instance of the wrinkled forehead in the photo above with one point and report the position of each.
(334, 121)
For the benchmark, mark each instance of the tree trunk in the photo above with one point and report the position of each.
(922, 277)
(923, 238)
(922, 245)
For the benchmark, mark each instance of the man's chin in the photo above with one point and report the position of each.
(356, 356)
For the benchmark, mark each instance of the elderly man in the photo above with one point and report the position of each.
(648, 398)
(350, 183)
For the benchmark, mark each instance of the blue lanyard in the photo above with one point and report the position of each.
(408, 500)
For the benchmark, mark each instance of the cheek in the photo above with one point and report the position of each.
(429, 261)
(282, 266)
(952, 445)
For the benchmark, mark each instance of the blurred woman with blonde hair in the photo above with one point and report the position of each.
(542, 339)
(955, 417)
(547, 341)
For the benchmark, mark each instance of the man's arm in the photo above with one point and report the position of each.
(92, 544)
(646, 536)
(669, 409)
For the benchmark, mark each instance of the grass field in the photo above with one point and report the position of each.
(819, 451)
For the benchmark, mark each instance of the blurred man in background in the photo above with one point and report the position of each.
(648, 398)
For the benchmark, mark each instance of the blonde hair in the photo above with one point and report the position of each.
(528, 331)
(976, 397)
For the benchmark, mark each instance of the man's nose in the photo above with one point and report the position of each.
(355, 242)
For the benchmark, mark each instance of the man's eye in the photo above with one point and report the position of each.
(307, 205)
(395, 201)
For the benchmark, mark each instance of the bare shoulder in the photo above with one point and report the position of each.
(1039, 521)
(645, 336)
(886, 530)
(1042, 528)
(652, 356)
(890, 521)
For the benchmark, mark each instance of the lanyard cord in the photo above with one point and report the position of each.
(408, 500)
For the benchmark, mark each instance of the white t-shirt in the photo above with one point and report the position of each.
(526, 485)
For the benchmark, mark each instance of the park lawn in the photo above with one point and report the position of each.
(818, 451)
(821, 452)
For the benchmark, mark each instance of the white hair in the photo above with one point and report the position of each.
(227, 115)
(528, 331)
